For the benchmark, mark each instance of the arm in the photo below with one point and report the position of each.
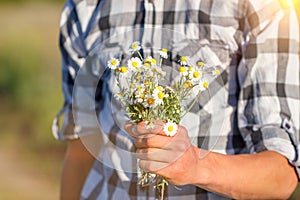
(265, 175)
(77, 164)
(78, 161)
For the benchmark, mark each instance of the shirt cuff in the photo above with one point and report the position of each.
(281, 139)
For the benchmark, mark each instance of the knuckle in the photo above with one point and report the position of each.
(182, 145)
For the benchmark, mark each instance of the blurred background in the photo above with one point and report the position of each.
(30, 96)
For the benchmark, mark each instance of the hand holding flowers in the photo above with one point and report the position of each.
(173, 158)
(159, 108)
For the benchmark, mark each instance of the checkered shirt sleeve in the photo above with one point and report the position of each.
(268, 108)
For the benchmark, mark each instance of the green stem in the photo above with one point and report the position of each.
(160, 62)
(193, 103)
(141, 57)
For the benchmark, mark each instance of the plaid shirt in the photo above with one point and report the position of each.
(254, 43)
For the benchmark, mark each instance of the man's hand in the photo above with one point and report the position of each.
(264, 175)
(174, 158)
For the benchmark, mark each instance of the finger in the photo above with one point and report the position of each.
(153, 141)
(136, 130)
(130, 128)
(178, 143)
(143, 128)
(158, 155)
(152, 166)
(147, 127)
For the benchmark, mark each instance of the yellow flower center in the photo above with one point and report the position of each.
(159, 88)
(191, 68)
(147, 64)
(170, 128)
(134, 46)
(142, 96)
(160, 95)
(150, 101)
(183, 59)
(182, 69)
(200, 64)
(205, 84)
(123, 69)
(153, 61)
(134, 64)
(138, 88)
(113, 62)
(217, 72)
(196, 74)
(164, 50)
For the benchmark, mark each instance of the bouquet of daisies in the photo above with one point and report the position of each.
(141, 92)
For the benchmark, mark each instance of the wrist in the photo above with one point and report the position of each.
(204, 168)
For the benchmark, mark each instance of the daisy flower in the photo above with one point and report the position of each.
(135, 46)
(149, 102)
(191, 68)
(163, 53)
(188, 84)
(170, 128)
(184, 60)
(159, 88)
(149, 124)
(200, 64)
(203, 85)
(113, 63)
(122, 71)
(140, 94)
(151, 60)
(147, 65)
(216, 72)
(148, 59)
(134, 63)
(195, 75)
(158, 95)
(183, 71)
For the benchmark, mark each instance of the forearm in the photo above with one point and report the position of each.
(77, 164)
(265, 175)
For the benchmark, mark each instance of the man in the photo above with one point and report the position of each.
(255, 155)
